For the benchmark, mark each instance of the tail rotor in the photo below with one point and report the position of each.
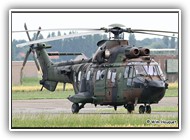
(31, 49)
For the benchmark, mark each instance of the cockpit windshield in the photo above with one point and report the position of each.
(142, 69)
(152, 70)
(139, 70)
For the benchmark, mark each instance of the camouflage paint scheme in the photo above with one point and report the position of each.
(108, 78)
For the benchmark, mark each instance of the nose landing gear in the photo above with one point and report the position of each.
(76, 107)
(129, 107)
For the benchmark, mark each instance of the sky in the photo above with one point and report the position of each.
(138, 20)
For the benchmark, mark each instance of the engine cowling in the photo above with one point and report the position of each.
(144, 51)
(132, 52)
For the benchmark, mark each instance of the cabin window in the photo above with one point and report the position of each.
(98, 75)
(119, 76)
(88, 75)
(79, 76)
(113, 77)
(102, 75)
(109, 74)
(126, 72)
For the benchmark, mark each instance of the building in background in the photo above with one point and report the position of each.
(30, 70)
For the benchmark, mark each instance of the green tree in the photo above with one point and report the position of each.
(166, 41)
(172, 42)
(40, 36)
(132, 40)
(157, 45)
(53, 34)
(49, 35)
(58, 33)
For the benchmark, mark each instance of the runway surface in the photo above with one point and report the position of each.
(57, 106)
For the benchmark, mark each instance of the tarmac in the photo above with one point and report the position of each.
(58, 106)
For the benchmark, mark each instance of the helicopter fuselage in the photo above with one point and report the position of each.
(116, 75)
(118, 84)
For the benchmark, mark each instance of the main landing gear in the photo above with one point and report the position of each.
(142, 108)
(145, 108)
(76, 107)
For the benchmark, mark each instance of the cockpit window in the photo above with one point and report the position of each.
(159, 70)
(152, 70)
(140, 70)
(88, 75)
(79, 76)
(130, 72)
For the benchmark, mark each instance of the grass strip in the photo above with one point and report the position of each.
(93, 120)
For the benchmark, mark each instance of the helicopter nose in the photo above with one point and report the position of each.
(155, 84)
(154, 91)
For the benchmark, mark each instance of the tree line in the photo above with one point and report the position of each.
(154, 43)
(87, 45)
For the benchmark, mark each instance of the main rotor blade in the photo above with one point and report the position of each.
(156, 34)
(59, 29)
(26, 30)
(136, 30)
(59, 37)
(162, 50)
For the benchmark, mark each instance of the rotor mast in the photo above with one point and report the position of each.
(116, 30)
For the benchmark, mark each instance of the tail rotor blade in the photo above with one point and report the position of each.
(38, 33)
(26, 57)
(21, 75)
(31, 49)
(24, 63)
(36, 61)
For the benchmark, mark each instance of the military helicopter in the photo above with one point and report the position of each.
(117, 75)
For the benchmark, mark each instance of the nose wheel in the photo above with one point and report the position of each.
(129, 107)
(76, 107)
(145, 108)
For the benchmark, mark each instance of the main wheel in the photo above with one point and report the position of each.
(148, 109)
(141, 109)
(75, 108)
